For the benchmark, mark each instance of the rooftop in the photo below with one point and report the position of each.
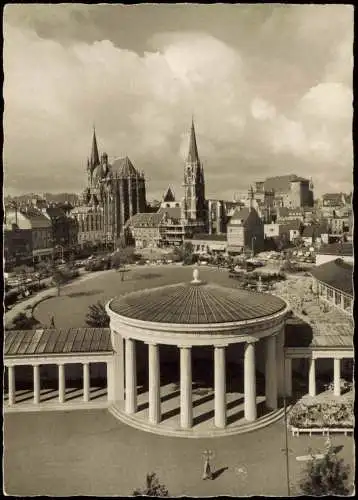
(57, 341)
(344, 249)
(123, 167)
(145, 219)
(337, 274)
(196, 303)
(282, 183)
(209, 237)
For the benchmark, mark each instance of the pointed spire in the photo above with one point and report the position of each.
(94, 152)
(193, 156)
(169, 195)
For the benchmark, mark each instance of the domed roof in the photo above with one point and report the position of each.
(196, 303)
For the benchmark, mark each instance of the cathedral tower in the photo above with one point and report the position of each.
(193, 207)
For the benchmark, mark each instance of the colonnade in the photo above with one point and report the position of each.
(273, 376)
(61, 382)
(312, 389)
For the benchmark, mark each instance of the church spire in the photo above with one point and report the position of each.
(94, 161)
(193, 156)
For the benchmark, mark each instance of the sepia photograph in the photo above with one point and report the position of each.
(178, 250)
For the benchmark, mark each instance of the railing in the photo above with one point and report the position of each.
(325, 431)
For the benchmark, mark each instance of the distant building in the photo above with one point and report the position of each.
(333, 251)
(285, 214)
(245, 231)
(32, 232)
(313, 234)
(208, 243)
(333, 281)
(64, 227)
(336, 205)
(290, 230)
(289, 191)
(144, 228)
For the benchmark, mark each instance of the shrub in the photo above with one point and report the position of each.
(326, 477)
(97, 316)
(333, 414)
(153, 488)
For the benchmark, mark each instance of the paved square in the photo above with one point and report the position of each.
(90, 453)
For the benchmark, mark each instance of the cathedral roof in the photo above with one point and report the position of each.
(123, 167)
(193, 155)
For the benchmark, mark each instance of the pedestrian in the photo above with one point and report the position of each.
(207, 474)
(52, 325)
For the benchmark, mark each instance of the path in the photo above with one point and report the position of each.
(48, 292)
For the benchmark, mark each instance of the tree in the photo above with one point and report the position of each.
(327, 476)
(23, 322)
(59, 278)
(122, 256)
(97, 316)
(185, 252)
(153, 488)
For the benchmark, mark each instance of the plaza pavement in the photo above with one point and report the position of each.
(89, 452)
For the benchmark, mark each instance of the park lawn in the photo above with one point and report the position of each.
(70, 308)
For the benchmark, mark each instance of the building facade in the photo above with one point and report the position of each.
(31, 231)
(245, 231)
(115, 192)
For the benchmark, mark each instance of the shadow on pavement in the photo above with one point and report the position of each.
(218, 472)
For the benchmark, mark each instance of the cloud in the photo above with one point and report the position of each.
(259, 109)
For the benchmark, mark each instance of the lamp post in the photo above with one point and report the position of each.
(286, 450)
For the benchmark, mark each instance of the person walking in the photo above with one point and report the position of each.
(52, 324)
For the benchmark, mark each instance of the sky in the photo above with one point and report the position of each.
(269, 86)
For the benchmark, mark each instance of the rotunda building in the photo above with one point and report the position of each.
(232, 326)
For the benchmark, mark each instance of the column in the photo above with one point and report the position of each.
(288, 376)
(86, 382)
(342, 302)
(36, 374)
(11, 383)
(337, 377)
(61, 383)
(220, 386)
(271, 373)
(186, 409)
(250, 382)
(154, 383)
(312, 377)
(115, 369)
(131, 377)
(280, 346)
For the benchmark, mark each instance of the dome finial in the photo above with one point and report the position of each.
(196, 280)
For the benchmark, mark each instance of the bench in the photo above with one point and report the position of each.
(320, 430)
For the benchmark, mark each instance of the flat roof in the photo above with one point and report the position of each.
(57, 341)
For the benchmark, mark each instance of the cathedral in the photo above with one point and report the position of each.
(115, 192)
